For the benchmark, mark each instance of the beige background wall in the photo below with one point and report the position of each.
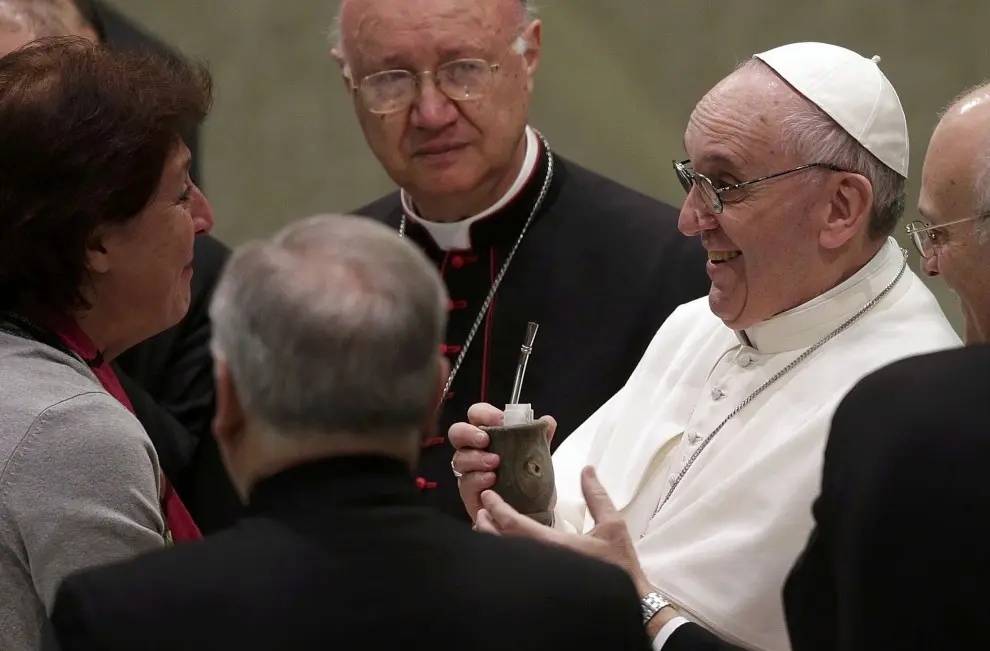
(617, 83)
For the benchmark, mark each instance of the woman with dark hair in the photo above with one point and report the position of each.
(98, 219)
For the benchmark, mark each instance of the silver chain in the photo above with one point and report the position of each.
(779, 374)
(498, 279)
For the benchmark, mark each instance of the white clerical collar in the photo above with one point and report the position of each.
(804, 325)
(457, 235)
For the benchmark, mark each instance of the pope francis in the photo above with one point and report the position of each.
(705, 464)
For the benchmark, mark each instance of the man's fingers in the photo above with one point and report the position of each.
(512, 522)
(465, 436)
(470, 486)
(465, 461)
(482, 413)
(600, 505)
(551, 426)
(485, 523)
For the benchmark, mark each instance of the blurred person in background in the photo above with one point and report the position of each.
(326, 338)
(98, 218)
(169, 377)
(442, 89)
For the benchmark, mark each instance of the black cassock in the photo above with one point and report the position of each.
(599, 269)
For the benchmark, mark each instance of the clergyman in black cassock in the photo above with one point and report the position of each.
(599, 269)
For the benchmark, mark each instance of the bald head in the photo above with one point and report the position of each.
(956, 174)
(955, 193)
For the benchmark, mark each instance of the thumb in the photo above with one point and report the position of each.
(551, 427)
(600, 505)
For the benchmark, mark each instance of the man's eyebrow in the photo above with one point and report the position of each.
(716, 160)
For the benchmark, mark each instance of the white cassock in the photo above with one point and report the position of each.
(721, 546)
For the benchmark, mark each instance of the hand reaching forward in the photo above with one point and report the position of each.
(475, 465)
(608, 541)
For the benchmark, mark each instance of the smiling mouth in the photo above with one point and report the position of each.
(723, 256)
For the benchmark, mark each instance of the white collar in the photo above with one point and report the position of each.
(805, 324)
(457, 235)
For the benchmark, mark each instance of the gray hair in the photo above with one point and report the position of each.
(332, 326)
(335, 37)
(807, 132)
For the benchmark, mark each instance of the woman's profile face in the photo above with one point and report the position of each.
(151, 256)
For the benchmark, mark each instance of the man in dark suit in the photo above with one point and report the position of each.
(328, 373)
(898, 559)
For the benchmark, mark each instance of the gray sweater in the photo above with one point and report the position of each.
(79, 482)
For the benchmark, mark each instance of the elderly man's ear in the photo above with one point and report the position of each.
(230, 419)
(848, 211)
(345, 69)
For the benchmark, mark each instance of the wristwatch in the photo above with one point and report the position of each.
(651, 604)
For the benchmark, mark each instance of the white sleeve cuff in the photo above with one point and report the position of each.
(665, 632)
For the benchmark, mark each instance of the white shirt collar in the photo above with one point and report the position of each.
(457, 235)
(805, 324)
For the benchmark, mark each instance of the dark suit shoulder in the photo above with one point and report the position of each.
(519, 580)
(903, 504)
(913, 397)
(263, 582)
(380, 208)
(612, 196)
(623, 221)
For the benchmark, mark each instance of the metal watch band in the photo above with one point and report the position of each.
(651, 604)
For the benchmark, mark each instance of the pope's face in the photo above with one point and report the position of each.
(763, 244)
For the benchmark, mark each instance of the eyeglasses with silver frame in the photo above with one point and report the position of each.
(462, 80)
(712, 193)
(925, 235)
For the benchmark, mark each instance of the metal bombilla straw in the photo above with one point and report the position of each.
(516, 413)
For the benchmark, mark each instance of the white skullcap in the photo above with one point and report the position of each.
(852, 91)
